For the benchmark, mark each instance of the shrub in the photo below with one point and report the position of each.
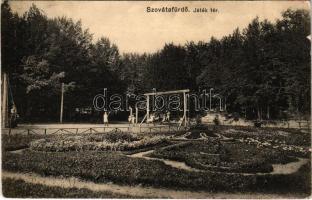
(214, 155)
(117, 168)
(20, 189)
(19, 141)
(216, 121)
(114, 137)
(117, 141)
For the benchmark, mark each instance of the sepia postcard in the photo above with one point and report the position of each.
(156, 99)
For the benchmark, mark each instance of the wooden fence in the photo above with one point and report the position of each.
(90, 130)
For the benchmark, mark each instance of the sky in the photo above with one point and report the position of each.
(132, 29)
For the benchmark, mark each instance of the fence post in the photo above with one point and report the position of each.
(299, 124)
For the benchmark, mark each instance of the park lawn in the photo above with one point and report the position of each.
(224, 156)
(19, 141)
(274, 135)
(12, 188)
(115, 167)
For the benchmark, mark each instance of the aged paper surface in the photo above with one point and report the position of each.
(156, 99)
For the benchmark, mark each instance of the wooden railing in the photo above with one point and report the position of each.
(90, 130)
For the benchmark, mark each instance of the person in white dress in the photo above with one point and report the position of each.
(105, 119)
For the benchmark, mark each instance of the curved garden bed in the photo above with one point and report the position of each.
(115, 141)
(214, 155)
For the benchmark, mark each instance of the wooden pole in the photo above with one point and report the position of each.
(225, 104)
(131, 113)
(210, 100)
(136, 114)
(184, 108)
(167, 92)
(147, 107)
(62, 102)
(4, 106)
(220, 104)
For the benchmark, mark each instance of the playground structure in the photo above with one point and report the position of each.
(184, 119)
(133, 120)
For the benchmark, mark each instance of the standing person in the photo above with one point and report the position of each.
(13, 117)
(168, 116)
(105, 119)
(130, 119)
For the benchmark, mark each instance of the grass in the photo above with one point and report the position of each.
(19, 141)
(116, 167)
(117, 141)
(299, 182)
(293, 137)
(12, 188)
(223, 156)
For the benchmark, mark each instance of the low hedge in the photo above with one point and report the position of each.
(118, 168)
(117, 141)
(19, 141)
(224, 157)
(12, 188)
(294, 137)
(298, 182)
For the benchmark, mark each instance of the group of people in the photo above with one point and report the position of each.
(162, 117)
(154, 117)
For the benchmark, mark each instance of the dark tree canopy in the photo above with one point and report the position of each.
(263, 71)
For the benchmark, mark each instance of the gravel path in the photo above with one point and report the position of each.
(285, 169)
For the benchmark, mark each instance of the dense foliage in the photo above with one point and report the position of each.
(114, 141)
(219, 156)
(20, 189)
(19, 141)
(262, 71)
(120, 169)
(214, 156)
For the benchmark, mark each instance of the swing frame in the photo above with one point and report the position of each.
(184, 92)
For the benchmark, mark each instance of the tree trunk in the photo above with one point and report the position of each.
(258, 112)
(268, 112)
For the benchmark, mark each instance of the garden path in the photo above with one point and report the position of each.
(287, 168)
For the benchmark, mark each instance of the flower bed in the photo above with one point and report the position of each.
(12, 188)
(118, 168)
(214, 155)
(115, 141)
(16, 142)
(273, 135)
